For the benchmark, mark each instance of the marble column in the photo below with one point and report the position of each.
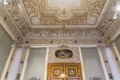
(15, 65)
(113, 64)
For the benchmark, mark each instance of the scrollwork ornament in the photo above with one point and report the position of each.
(72, 16)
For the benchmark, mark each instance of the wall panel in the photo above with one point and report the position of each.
(92, 64)
(36, 64)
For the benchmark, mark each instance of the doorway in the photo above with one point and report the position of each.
(64, 71)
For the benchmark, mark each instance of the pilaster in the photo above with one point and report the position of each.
(113, 64)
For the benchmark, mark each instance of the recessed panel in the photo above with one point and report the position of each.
(64, 71)
(64, 4)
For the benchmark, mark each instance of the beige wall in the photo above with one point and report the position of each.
(36, 64)
(5, 47)
(93, 67)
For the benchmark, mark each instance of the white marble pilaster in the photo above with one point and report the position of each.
(103, 64)
(27, 51)
(113, 64)
(83, 70)
(46, 64)
(15, 65)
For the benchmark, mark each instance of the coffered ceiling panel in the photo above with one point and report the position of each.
(57, 13)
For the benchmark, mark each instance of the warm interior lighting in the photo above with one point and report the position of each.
(118, 8)
(62, 75)
(5, 2)
(115, 16)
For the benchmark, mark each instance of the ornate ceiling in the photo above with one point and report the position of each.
(57, 13)
(60, 21)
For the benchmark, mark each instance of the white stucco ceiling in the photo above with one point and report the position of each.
(60, 19)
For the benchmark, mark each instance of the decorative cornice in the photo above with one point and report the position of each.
(16, 16)
(63, 41)
(111, 31)
(63, 33)
(9, 25)
(109, 24)
(64, 36)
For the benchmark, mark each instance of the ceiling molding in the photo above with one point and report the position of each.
(9, 26)
(64, 41)
(63, 33)
(110, 26)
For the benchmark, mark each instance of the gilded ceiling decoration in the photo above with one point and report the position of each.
(55, 12)
(55, 21)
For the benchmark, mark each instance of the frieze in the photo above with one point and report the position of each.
(72, 40)
(64, 33)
